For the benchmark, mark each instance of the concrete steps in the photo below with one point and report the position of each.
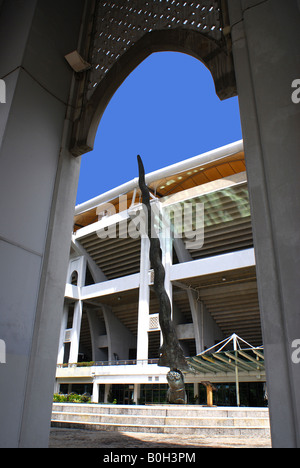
(166, 419)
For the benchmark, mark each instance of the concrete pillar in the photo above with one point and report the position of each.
(95, 395)
(166, 243)
(38, 183)
(56, 387)
(97, 329)
(197, 316)
(266, 38)
(209, 395)
(144, 298)
(206, 329)
(74, 349)
(61, 346)
(119, 339)
(183, 255)
(136, 393)
(106, 392)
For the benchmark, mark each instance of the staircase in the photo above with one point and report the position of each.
(166, 419)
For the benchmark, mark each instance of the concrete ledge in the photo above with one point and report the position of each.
(187, 430)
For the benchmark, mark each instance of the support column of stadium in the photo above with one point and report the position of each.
(266, 37)
(96, 272)
(95, 394)
(119, 338)
(95, 327)
(75, 337)
(64, 324)
(166, 244)
(77, 265)
(98, 333)
(197, 306)
(144, 301)
(197, 311)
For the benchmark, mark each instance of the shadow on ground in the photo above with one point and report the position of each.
(78, 438)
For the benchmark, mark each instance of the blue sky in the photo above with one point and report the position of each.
(166, 111)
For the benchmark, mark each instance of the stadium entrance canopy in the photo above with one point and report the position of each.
(232, 359)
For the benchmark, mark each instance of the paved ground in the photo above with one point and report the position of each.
(75, 438)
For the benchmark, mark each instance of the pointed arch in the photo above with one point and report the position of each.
(209, 52)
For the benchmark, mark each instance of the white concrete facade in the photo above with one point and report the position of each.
(38, 179)
(113, 334)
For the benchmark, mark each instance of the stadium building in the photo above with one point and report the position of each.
(110, 333)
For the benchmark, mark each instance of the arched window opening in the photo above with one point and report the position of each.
(74, 278)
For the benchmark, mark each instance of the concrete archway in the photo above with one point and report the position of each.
(190, 42)
(39, 175)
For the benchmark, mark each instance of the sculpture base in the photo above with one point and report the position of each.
(176, 394)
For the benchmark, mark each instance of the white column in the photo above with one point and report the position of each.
(197, 316)
(166, 243)
(144, 299)
(270, 123)
(136, 393)
(95, 395)
(61, 348)
(196, 390)
(56, 386)
(78, 264)
(106, 392)
(76, 333)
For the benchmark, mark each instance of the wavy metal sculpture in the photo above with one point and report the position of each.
(171, 354)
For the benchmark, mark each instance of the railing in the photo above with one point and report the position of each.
(126, 362)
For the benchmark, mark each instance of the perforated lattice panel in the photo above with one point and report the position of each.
(154, 322)
(120, 24)
(68, 335)
(123, 33)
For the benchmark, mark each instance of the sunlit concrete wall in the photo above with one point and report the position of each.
(266, 38)
(38, 181)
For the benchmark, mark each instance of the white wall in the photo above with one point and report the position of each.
(266, 38)
(37, 191)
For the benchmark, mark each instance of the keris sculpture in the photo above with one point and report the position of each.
(171, 354)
